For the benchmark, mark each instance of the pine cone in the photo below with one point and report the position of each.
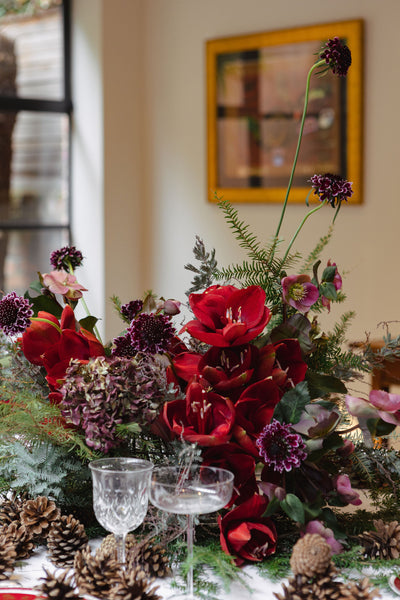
(152, 557)
(7, 556)
(96, 575)
(301, 587)
(108, 545)
(147, 554)
(21, 538)
(382, 543)
(311, 555)
(65, 537)
(57, 587)
(37, 516)
(358, 591)
(10, 509)
(134, 585)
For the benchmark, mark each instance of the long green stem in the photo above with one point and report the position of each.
(311, 212)
(303, 118)
(85, 306)
(42, 320)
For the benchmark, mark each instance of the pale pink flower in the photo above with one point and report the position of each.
(317, 527)
(388, 405)
(61, 282)
(345, 491)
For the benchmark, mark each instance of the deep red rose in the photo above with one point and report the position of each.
(232, 457)
(203, 417)
(246, 534)
(228, 316)
(254, 411)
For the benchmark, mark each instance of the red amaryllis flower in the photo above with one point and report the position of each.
(232, 457)
(246, 534)
(52, 344)
(254, 411)
(227, 316)
(283, 362)
(205, 418)
(299, 292)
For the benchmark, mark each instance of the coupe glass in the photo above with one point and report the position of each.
(120, 495)
(195, 490)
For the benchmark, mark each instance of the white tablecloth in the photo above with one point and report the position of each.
(29, 574)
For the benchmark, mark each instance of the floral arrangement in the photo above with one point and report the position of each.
(250, 383)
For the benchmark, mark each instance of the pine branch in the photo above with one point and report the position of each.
(317, 251)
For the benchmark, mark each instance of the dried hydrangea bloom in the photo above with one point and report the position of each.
(281, 448)
(103, 393)
(15, 314)
(337, 56)
(332, 188)
(66, 258)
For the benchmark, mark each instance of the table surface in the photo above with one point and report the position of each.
(29, 573)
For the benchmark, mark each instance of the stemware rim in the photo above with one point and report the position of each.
(195, 468)
(100, 464)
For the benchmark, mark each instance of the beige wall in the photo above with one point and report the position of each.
(154, 161)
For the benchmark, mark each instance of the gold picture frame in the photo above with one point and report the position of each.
(255, 96)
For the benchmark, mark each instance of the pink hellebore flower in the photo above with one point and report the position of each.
(299, 292)
(381, 404)
(388, 405)
(61, 282)
(345, 491)
(326, 533)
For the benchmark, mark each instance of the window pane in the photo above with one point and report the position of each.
(33, 168)
(23, 253)
(31, 55)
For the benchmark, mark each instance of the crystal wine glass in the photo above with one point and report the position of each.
(190, 491)
(120, 495)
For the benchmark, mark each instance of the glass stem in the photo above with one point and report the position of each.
(190, 555)
(120, 543)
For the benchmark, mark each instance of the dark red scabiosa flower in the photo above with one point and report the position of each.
(131, 309)
(337, 56)
(66, 258)
(151, 333)
(332, 188)
(15, 313)
(122, 346)
(280, 447)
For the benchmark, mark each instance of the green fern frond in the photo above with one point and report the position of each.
(246, 239)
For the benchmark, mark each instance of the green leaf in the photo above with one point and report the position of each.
(88, 323)
(46, 303)
(379, 428)
(292, 404)
(272, 507)
(321, 385)
(328, 290)
(294, 508)
(298, 327)
(329, 273)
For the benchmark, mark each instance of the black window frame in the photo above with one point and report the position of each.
(17, 104)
